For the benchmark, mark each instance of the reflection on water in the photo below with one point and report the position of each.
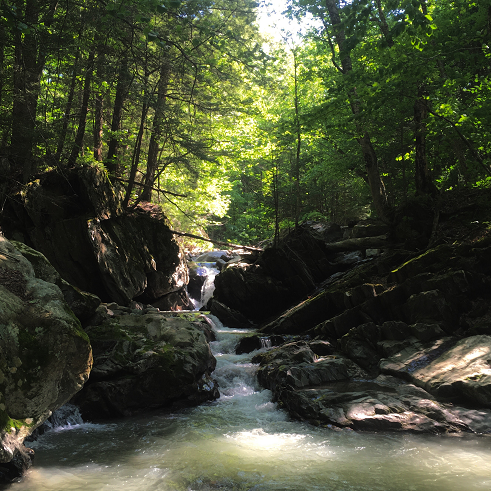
(243, 442)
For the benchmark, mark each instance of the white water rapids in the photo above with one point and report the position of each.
(243, 442)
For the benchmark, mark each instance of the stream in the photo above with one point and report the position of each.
(243, 441)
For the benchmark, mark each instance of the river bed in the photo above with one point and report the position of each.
(243, 442)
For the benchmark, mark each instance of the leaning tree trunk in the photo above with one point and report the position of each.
(424, 185)
(99, 100)
(79, 137)
(153, 148)
(122, 86)
(27, 78)
(68, 109)
(377, 187)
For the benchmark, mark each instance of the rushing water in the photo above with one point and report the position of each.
(243, 442)
(209, 271)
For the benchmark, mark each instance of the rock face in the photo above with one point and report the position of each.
(457, 370)
(279, 277)
(45, 356)
(76, 221)
(332, 390)
(144, 359)
(410, 335)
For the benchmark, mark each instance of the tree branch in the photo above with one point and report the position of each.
(226, 244)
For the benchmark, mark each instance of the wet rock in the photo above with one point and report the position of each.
(228, 317)
(45, 356)
(458, 370)
(174, 301)
(381, 404)
(147, 361)
(248, 344)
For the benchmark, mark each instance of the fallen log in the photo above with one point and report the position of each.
(358, 244)
(218, 242)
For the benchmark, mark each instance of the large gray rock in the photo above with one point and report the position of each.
(297, 365)
(82, 304)
(146, 360)
(76, 221)
(382, 404)
(45, 356)
(447, 368)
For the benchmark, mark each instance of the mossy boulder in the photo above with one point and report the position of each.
(147, 361)
(83, 304)
(45, 356)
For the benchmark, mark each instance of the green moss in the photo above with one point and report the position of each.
(109, 331)
(7, 423)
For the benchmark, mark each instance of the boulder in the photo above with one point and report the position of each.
(178, 300)
(213, 256)
(76, 220)
(457, 370)
(381, 404)
(296, 365)
(45, 356)
(255, 295)
(197, 278)
(82, 304)
(247, 344)
(332, 390)
(145, 360)
(228, 317)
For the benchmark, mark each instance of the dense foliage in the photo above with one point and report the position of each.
(185, 104)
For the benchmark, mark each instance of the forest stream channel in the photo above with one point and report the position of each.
(242, 441)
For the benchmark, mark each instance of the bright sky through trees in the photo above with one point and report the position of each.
(272, 21)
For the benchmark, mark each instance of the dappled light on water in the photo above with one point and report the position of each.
(244, 442)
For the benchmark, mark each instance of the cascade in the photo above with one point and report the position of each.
(209, 271)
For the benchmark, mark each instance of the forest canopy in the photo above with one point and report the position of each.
(185, 103)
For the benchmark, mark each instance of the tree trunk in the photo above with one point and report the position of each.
(29, 58)
(99, 101)
(299, 144)
(122, 86)
(377, 188)
(153, 149)
(422, 176)
(135, 160)
(27, 79)
(68, 109)
(357, 244)
(79, 138)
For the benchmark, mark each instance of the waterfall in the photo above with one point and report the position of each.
(209, 271)
(266, 342)
(65, 417)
